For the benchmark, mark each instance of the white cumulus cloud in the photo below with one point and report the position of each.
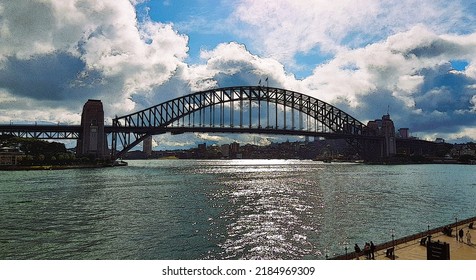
(56, 54)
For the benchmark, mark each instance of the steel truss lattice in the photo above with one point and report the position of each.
(248, 109)
(42, 131)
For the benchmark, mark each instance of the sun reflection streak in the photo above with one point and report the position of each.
(266, 215)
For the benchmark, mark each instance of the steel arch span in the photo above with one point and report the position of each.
(245, 109)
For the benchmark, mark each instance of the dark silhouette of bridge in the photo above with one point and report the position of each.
(245, 109)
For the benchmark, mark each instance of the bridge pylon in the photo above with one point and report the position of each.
(92, 139)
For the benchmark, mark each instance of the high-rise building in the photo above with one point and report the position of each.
(202, 148)
(403, 133)
(225, 150)
(234, 148)
(388, 131)
(147, 146)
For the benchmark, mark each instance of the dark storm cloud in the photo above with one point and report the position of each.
(46, 77)
(434, 49)
(442, 104)
(445, 90)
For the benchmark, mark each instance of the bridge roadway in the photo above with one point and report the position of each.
(42, 131)
(73, 131)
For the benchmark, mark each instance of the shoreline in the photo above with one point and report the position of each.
(59, 167)
(123, 163)
(47, 167)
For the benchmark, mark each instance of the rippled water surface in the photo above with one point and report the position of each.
(213, 209)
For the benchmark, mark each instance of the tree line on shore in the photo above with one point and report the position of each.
(40, 152)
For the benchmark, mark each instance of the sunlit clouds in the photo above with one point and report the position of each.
(414, 57)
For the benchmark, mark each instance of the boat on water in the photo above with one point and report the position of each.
(120, 163)
(323, 159)
(336, 160)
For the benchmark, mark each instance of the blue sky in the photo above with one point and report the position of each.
(418, 57)
(206, 25)
(190, 18)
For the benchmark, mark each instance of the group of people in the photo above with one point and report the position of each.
(461, 235)
(369, 247)
(369, 250)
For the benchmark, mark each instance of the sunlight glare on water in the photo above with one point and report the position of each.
(224, 209)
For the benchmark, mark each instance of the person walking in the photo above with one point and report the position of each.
(461, 234)
(468, 237)
(367, 250)
(372, 250)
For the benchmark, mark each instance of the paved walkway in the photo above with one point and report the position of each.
(412, 250)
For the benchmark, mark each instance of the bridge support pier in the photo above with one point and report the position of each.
(385, 147)
(92, 139)
(372, 149)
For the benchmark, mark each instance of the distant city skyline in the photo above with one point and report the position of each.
(413, 59)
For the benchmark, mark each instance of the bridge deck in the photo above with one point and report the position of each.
(42, 131)
(46, 131)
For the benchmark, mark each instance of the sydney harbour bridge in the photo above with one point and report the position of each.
(243, 109)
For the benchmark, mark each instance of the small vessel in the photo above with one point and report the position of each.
(323, 159)
(120, 163)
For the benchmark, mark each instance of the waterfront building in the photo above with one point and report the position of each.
(11, 155)
(463, 150)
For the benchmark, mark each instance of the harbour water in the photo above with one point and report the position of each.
(224, 209)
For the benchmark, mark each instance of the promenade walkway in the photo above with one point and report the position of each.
(412, 250)
(409, 248)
